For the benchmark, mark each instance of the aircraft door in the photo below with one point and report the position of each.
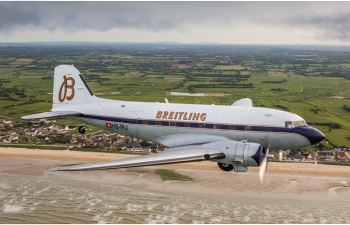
(133, 129)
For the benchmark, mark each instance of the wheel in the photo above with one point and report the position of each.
(225, 167)
(81, 129)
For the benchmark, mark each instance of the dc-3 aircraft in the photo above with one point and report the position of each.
(236, 136)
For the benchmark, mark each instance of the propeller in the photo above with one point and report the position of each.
(263, 165)
(262, 168)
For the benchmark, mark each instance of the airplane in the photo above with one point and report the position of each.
(236, 137)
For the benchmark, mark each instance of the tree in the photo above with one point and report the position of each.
(144, 144)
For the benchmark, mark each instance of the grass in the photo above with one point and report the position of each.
(106, 151)
(171, 175)
(45, 147)
(134, 86)
(136, 171)
(334, 163)
(72, 164)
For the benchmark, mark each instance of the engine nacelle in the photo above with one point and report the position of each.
(241, 154)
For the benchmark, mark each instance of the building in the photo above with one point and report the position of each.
(146, 149)
(160, 149)
(8, 121)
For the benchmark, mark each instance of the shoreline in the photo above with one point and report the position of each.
(87, 157)
(284, 181)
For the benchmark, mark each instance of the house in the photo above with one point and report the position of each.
(107, 146)
(73, 140)
(98, 137)
(15, 137)
(129, 147)
(63, 127)
(341, 156)
(123, 147)
(137, 148)
(154, 145)
(117, 143)
(28, 141)
(6, 140)
(299, 158)
(12, 125)
(8, 121)
(42, 138)
(325, 155)
(160, 149)
(11, 132)
(109, 141)
(36, 124)
(48, 126)
(312, 155)
(80, 145)
(31, 132)
(146, 149)
(290, 157)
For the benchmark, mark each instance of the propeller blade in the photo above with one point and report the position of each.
(263, 165)
(262, 169)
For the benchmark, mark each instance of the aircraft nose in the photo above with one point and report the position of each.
(317, 137)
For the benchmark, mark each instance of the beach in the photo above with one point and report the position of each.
(298, 183)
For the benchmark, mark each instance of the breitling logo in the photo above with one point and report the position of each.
(181, 115)
(66, 86)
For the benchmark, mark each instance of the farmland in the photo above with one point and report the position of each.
(312, 82)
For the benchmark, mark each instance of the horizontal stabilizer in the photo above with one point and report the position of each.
(166, 157)
(52, 114)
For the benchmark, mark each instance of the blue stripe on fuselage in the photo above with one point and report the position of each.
(313, 135)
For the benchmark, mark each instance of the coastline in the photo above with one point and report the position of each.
(296, 181)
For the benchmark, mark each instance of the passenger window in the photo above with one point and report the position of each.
(187, 124)
(159, 123)
(248, 128)
(201, 125)
(173, 124)
(289, 124)
(232, 127)
(144, 121)
(216, 126)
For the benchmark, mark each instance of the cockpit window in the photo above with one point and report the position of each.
(299, 123)
(289, 124)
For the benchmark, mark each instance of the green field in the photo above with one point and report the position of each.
(226, 74)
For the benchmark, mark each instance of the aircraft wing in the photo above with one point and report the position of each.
(183, 154)
(52, 114)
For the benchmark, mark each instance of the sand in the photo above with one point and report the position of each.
(284, 180)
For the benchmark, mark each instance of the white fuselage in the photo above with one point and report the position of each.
(210, 123)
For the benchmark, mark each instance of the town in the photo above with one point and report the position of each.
(46, 133)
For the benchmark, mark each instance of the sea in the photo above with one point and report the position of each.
(32, 200)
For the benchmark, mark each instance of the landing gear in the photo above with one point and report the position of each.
(81, 129)
(225, 167)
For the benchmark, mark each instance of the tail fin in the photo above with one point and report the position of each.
(69, 87)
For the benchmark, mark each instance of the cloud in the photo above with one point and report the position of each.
(329, 27)
(12, 17)
(103, 16)
(326, 21)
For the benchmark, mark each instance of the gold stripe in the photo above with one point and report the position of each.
(186, 121)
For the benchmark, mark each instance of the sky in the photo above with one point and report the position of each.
(186, 22)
